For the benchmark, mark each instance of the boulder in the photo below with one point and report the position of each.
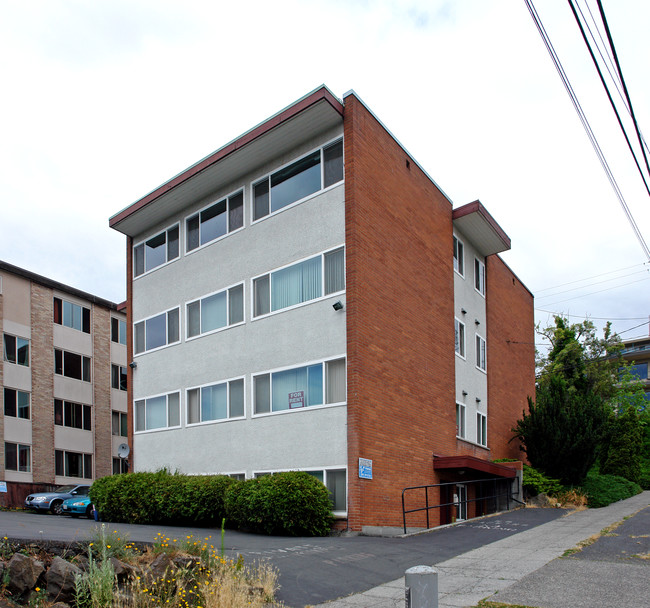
(123, 571)
(60, 579)
(23, 572)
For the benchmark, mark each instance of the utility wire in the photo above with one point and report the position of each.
(558, 293)
(586, 295)
(559, 314)
(596, 276)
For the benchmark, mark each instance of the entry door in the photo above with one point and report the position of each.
(461, 501)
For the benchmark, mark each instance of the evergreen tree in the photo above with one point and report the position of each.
(624, 446)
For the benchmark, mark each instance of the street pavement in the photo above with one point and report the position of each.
(510, 554)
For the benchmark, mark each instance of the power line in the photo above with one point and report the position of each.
(600, 291)
(596, 276)
(550, 312)
(557, 293)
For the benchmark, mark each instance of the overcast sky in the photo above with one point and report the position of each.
(103, 101)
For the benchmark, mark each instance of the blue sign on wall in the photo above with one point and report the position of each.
(365, 468)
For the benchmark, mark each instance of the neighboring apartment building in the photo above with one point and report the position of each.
(63, 376)
(637, 353)
(306, 298)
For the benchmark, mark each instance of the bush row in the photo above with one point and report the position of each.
(603, 490)
(292, 503)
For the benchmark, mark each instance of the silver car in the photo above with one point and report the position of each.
(53, 501)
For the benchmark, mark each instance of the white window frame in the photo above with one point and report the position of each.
(121, 323)
(216, 420)
(83, 359)
(120, 369)
(19, 446)
(83, 464)
(161, 428)
(15, 352)
(167, 343)
(228, 232)
(461, 351)
(459, 257)
(86, 414)
(218, 329)
(16, 391)
(479, 276)
(461, 420)
(270, 373)
(481, 429)
(167, 261)
(322, 297)
(267, 177)
(324, 470)
(71, 304)
(481, 353)
(121, 416)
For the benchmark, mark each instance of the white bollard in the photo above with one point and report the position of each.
(421, 587)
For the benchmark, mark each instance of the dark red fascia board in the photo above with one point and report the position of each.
(477, 207)
(318, 95)
(473, 463)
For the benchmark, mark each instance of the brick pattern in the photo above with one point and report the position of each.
(42, 361)
(511, 355)
(2, 396)
(399, 306)
(101, 333)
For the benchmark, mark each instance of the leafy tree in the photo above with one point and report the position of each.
(624, 446)
(561, 430)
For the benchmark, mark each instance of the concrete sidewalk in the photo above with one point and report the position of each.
(464, 580)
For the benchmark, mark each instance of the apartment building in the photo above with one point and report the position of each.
(307, 298)
(637, 353)
(63, 378)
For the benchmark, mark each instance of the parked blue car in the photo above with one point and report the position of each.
(79, 505)
(53, 501)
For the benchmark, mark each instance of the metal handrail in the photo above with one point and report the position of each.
(427, 507)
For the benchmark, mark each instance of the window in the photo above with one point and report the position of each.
(215, 311)
(215, 221)
(73, 464)
(216, 402)
(16, 350)
(460, 420)
(158, 412)
(301, 282)
(317, 384)
(119, 422)
(155, 252)
(118, 331)
(73, 415)
(18, 457)
(71, 365)
(298, 180)
(118, 377)
(460, 337)
(479, 276)
(120, 465)
(481, 428)
(480, 353)
(459, 257)
(639, 371)
(71, 315)
(156, 332)
(16, 403)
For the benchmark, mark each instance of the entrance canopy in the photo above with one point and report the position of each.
(471, 465)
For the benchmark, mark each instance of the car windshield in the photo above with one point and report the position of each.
(83, 491)
(64, 489)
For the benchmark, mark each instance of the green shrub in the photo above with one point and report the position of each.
(161, 498)
(292, 503)
(603, 490)
(624, 446)
(535, 483)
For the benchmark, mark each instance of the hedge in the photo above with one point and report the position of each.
(603, 490)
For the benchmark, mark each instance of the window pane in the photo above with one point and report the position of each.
(337, 489)
(10, 348)
(23, 405)
(124, 425)
(139, 416)
(336, 381)
(71, 365)
(236, 211)
(58, 412)
(262, 296)
(85, 325)
(88, 466)
(138, 260)
(156, 413)
(155, 252)
(315, 373)
(236, 304)
(58, 361)
(58, 462)
(261, 199)
(115, 423)
(86, 369)
(11, 456)
(214, 312)
(87, 418)
(115, 331)
(333, 157)
(139, 337)
(58, 311)
(296, 284)
(193, 319)
(10, 402)
(193, 409)
(296, 181)
(122, 332)
(236, 398)
(172, 243)
(192, 229)
(173, 326)
(262, 386)
(123, 378)
(156, 332)
(23, 351)
(213, 402)
(24, 458)
(173, 403)
(334, 271)
(213, 222)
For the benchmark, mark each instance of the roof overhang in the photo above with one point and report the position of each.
(315, 113)
(474, 221)
(471, 463)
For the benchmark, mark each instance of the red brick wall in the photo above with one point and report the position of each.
(399, 307)
(511, 355)
(129, 346)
